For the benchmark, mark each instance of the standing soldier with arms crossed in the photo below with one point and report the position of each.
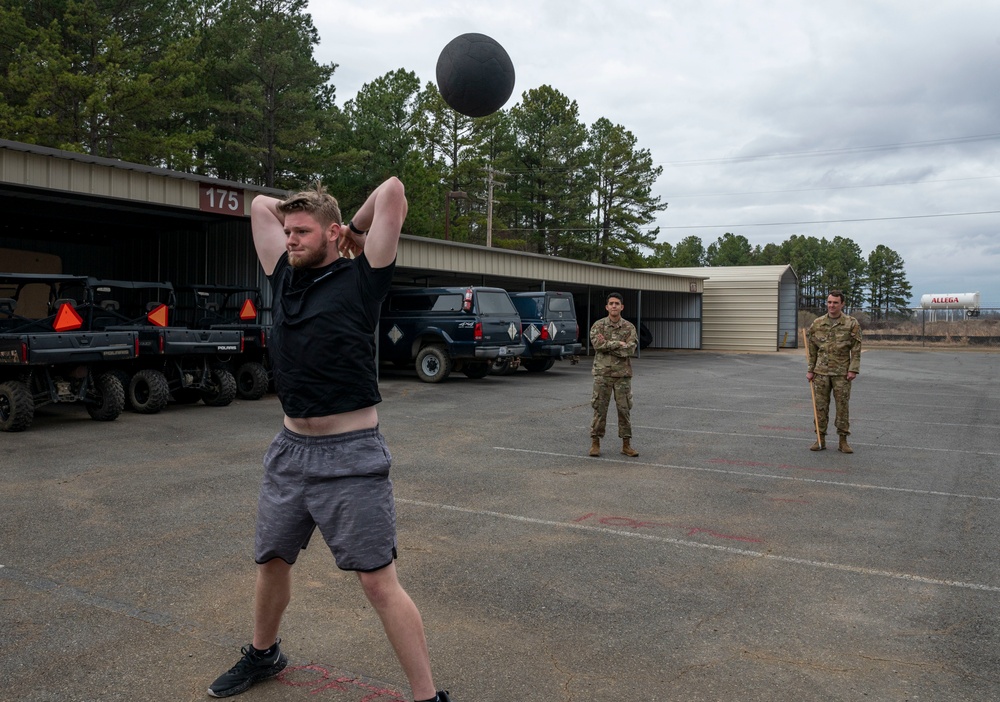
(834, 348)
(614, 340)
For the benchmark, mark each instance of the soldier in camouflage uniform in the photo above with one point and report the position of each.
(614, 340)
(834, 348)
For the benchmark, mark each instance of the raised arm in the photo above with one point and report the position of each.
(382, 216)
(268, 231)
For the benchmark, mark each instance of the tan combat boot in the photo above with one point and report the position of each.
(595, 446)
(820, 444)
(844, 447)
(628, 450)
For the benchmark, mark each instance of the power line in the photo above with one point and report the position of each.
(830, 152)
(829, 221)
(832, 187)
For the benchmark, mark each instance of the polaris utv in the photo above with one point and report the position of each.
(187, 364)
(203, 306)
(46, 355)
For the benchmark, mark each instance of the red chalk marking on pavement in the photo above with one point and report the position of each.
(343, 683)
(718, 548)
(628, 522)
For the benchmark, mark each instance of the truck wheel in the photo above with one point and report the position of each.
(476, 370)
(501, 366)
(433, 364)
(108, 398)
(149, 391)
(251, 381)
(221, 388)
(17, 406)
(538, 365)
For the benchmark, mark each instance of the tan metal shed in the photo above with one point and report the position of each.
(747, 308)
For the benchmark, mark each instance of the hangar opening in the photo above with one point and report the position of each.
(86, 215)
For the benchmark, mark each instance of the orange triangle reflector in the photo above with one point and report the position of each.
(158, 316)
(67, 318)
(248, 311)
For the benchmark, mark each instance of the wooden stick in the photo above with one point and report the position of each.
(812, 389)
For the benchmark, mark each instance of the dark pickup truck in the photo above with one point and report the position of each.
(188, 364)
(229, 307)
(551, 331)
(448, 329)
(47, 357)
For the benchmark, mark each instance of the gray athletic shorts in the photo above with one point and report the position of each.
(339, 483)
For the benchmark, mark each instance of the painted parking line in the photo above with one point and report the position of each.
(860, 418)
(731, 550)
(792, 438)
(752, 474)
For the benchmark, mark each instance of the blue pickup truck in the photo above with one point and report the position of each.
(448, 329)
(551, 331)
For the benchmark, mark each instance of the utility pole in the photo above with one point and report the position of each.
(489, 204)
(489, 207)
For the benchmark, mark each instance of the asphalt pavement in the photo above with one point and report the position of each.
(726, 562)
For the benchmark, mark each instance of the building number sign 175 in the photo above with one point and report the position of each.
(213, 198)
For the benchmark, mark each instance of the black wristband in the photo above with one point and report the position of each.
(350, 225)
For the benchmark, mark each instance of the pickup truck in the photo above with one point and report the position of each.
(448, 329)
(551, 332)
(46, 356)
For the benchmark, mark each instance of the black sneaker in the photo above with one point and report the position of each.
(443, 696)
(250, 669)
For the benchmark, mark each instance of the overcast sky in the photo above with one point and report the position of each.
(857, 118)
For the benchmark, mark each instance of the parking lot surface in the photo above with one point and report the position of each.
(726, 562)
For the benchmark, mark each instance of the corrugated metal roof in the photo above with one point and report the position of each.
(434, 254)
(745, 273)
(54, 169)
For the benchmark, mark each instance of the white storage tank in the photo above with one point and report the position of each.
(951, 301)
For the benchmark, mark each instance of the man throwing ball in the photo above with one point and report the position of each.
(834, 348)
(329, 465)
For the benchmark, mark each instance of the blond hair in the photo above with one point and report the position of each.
(316, 202)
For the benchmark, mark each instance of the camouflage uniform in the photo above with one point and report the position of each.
(834, 347)
(612, 373)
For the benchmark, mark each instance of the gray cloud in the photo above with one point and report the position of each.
(723, 79)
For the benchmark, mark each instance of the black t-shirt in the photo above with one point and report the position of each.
(323, 335)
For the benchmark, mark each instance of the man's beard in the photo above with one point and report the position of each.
(308, 259)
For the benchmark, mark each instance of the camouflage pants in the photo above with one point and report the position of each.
(604, 388)
(841, 388)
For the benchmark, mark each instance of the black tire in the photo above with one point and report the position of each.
(148, 391)
(502, 366)
(251, 381)
(221, 389)
(17, 406)
(433, 364)
(538, 365)
(108, 398)
(125, 379)
(476, 370)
